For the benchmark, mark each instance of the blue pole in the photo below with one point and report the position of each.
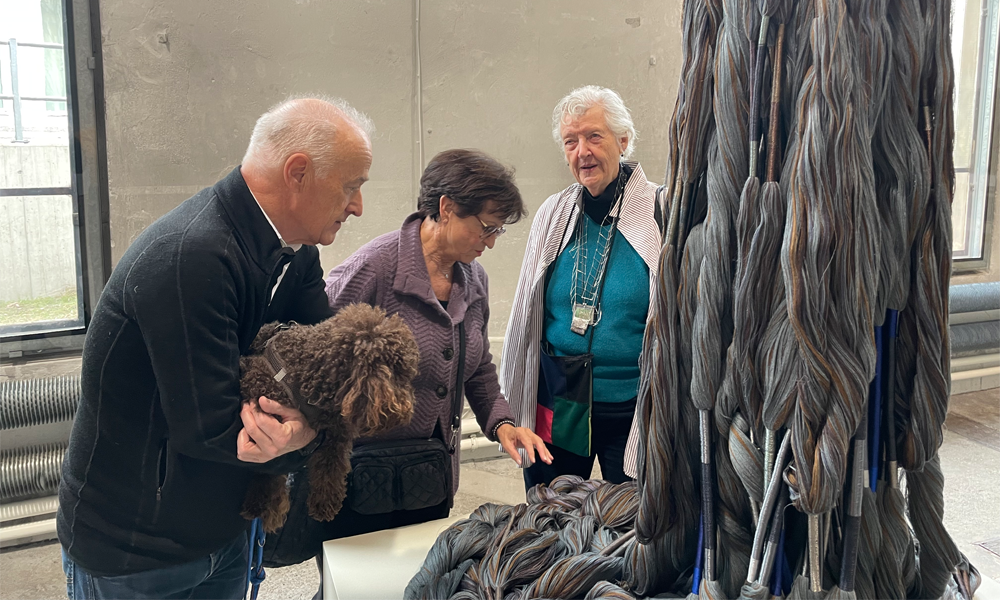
(696, 583)
(875, 413)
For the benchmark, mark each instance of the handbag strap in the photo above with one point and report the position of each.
(456, 409)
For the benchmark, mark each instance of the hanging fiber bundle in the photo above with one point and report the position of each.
(662, 505)
(926, 319)
(829, 260)
(711, 334)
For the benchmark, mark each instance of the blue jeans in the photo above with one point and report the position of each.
(220, 575)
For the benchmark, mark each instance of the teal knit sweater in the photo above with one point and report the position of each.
(624, 304)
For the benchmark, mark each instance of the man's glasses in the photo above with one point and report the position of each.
(489, 230)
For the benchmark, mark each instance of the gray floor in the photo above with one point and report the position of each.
(970, 458)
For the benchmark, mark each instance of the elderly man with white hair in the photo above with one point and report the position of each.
(162, 448)
(570, 365)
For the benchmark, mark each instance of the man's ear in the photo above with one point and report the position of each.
(297, 168)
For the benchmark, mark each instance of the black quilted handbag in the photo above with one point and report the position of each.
(399, 475)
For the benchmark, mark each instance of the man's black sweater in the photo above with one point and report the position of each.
(151, 478)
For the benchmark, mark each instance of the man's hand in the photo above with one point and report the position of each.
(270, 430)
(512, 438)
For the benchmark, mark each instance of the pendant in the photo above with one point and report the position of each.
(583, 317)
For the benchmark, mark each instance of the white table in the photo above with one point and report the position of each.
(378, 565)
(988, 590)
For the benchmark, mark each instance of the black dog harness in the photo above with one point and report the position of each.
(279, 372)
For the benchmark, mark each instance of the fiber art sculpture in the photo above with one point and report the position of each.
(796, 363)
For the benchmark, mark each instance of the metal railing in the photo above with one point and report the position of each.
(15, 94)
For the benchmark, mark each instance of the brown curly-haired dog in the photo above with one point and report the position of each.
(350, 376)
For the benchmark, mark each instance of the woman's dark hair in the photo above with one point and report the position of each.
(472, 179)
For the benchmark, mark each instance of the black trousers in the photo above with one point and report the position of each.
(610, 425)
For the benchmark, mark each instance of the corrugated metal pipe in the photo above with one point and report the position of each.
(27, 402)
(30, 472)
(974, 297)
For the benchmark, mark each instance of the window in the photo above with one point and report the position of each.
(55, 59)
(975, 29)
(53, 247)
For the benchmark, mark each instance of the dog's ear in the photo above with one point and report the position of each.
(377, 400)
(265, 333)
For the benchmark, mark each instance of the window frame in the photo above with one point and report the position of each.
(989, 51)
(88, 185)
(969, 266)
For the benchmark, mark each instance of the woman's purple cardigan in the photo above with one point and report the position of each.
(390, 272)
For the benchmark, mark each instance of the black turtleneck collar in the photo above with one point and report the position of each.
(599, 208)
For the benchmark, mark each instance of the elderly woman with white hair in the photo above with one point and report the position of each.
(570, 364)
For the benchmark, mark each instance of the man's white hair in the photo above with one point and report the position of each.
(582, 99)
(303, 124)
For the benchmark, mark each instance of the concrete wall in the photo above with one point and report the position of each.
(185, 81)
(37, 244)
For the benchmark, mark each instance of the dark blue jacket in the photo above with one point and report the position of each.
(151, 477)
